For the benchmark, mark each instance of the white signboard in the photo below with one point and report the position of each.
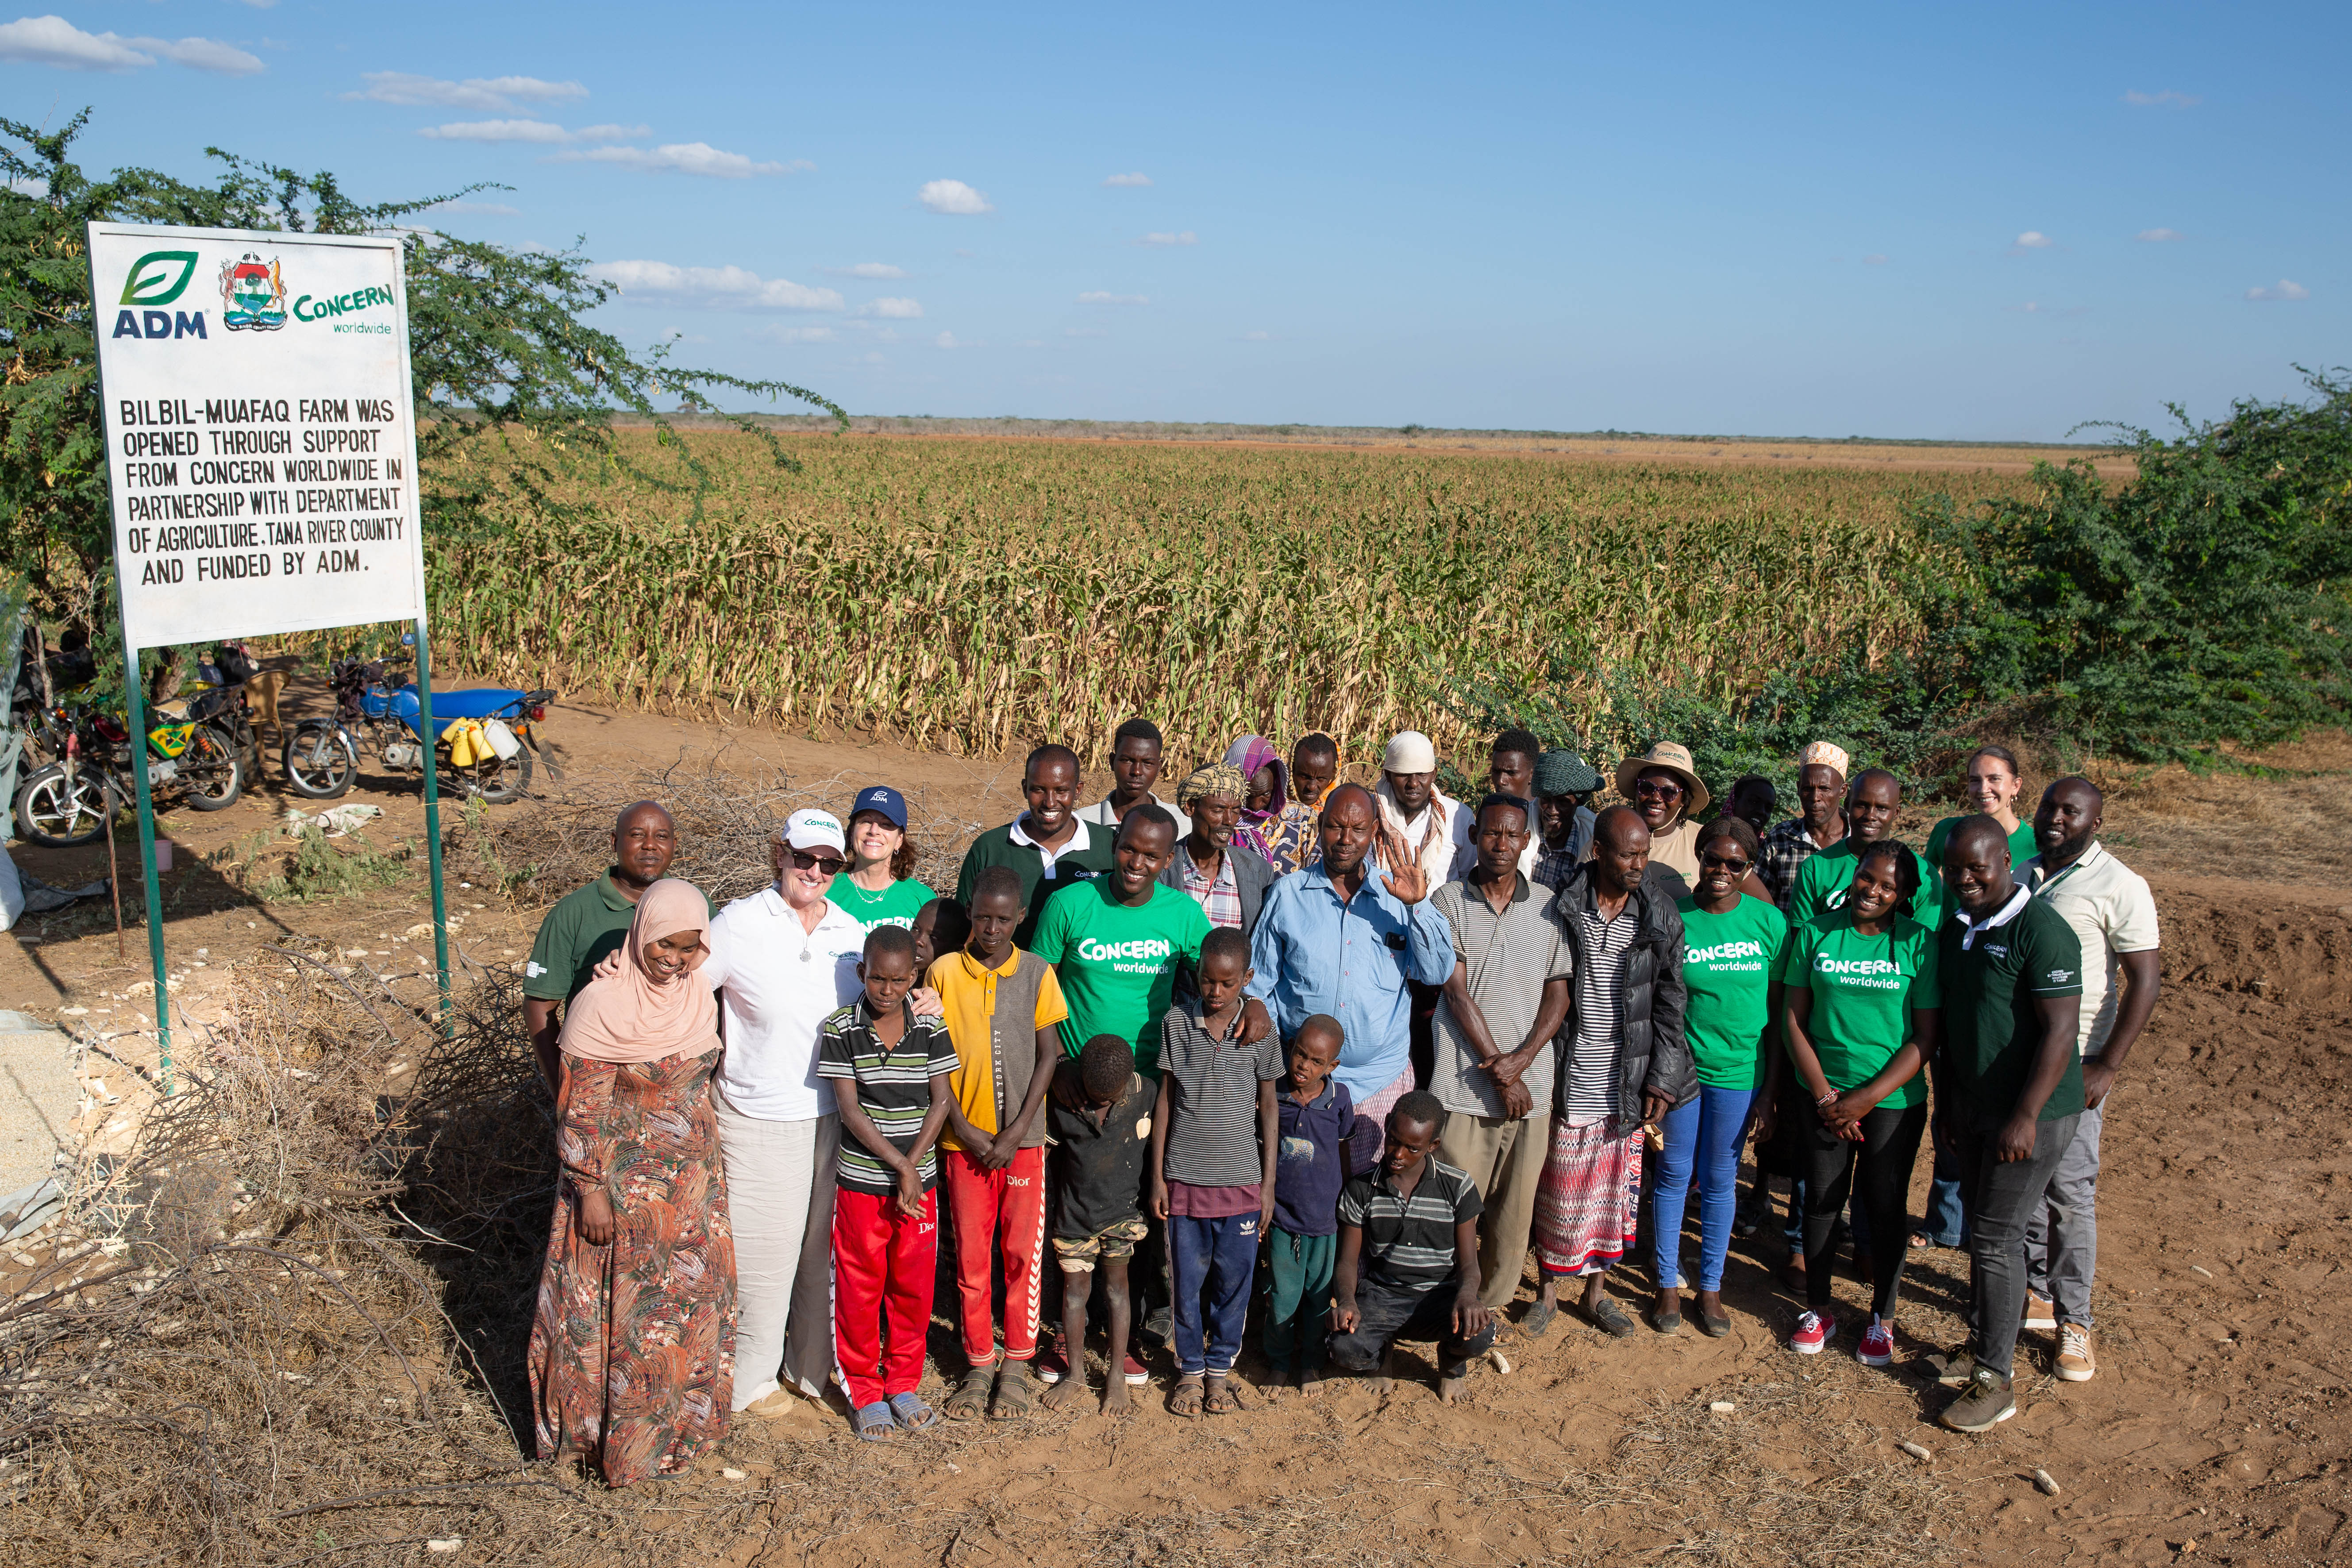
(259, 433)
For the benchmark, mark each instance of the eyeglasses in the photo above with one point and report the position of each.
(830, 865)
(1732, 864)
(1658, 789)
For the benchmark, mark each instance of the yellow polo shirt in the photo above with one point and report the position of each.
(967, 989)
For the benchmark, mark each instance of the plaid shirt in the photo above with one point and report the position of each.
(1786, 847)
(1220, 898)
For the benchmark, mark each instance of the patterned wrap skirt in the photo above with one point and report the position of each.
(1591, 1198)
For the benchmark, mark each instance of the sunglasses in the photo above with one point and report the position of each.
(830, 865)
(1731, 863)
(1658, 789)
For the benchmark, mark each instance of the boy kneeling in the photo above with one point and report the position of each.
(1408, 1231)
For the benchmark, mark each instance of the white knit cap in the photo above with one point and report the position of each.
(1409, 751)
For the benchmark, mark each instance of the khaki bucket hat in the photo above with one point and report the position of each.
(1675, 759)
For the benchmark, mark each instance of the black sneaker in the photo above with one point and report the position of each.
(1954, 1367)
(1989, 1400)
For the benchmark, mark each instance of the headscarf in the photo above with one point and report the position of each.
(1249, 753)
(1824, 754)
(1219, 780)
(627, 1016)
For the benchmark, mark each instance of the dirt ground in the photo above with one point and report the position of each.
(2218, 1428)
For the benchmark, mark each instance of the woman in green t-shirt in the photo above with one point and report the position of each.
(878, 886)
(1731, 952)
(1859, 1017)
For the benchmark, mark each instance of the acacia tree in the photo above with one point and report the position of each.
(507, 374)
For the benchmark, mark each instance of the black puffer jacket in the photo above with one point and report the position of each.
(1652, 1053)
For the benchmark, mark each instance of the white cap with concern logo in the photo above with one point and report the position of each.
(809, 828)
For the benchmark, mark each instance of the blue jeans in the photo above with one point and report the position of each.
(1217, 1257)
(1706, 1132)
(1947, 1224)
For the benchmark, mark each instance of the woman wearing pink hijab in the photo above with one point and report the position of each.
(632, 1350)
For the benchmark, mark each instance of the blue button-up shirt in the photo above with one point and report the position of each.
(1314, 954)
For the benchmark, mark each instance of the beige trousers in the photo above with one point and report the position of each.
(1506, 1158)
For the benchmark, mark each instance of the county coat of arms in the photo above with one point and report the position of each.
(253, 294)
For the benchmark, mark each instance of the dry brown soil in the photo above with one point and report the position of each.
(2218, 1428)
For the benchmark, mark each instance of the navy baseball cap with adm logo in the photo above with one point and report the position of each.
(884, 799)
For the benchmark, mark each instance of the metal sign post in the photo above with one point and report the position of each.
(261, 465)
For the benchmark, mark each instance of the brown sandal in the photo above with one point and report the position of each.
(1016, 1392)
(1185, 1400)
(970, 1401)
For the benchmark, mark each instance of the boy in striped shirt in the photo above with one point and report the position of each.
(889, 1071)
(1408, 1266)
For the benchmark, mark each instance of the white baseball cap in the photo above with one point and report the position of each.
(809, 828)
(1409, 751)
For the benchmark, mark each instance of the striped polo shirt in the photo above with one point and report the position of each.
(893, 1089)
(1410, 1240)
(1590, 1081)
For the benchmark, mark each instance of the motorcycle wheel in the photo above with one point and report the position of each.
(212, 768)
(58, 813)
(319, 763)
(495, 782)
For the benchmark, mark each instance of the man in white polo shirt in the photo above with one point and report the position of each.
(2113, 916)
(781, 959)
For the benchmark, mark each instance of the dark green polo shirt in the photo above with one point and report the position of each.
(1991, 1034)
(585, 925)
(997, 847)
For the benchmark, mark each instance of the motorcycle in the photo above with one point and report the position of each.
(482, 738)
(189, 750)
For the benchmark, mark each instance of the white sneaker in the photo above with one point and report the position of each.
(2039, 1313)
(2075, 1362)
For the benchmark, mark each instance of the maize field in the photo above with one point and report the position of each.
(979, 596)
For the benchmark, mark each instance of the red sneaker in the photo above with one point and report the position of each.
(1877, 1347)
(1136, 1374)
(1049, 1366)
(1814, 1330)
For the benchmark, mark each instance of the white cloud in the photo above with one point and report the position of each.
(2167, 99)
(538, 132)
(2158, 235)
(2034, 239)
(881, 270)
(683, 158)
(1098, 296)
(801, 335)
(498, 131)
(259, 5)
(53, 41)
(1187, 238)
(952, 197)
(2284, 288)
(948, 341)
(727, 288)
(485, 209)
(1873, 260)
(1085, 333)
(495, 92)
(1128, 179)
(892, 309)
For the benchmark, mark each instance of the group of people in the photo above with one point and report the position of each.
(1353, 1051)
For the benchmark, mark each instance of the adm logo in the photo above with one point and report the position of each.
(157, 279)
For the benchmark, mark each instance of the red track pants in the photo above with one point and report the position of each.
(994, 1209)
(881, 1259)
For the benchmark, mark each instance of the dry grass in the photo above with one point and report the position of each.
(726, 823)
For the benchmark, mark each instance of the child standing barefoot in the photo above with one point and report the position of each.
(1098, 1168)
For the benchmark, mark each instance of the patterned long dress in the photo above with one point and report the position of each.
(633, 1347)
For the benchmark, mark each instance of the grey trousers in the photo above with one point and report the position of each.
(1506, 1158)
(779, 1185)
(1999, 1198)
(2061, 1238)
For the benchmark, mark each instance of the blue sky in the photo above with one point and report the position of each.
(1989, 222)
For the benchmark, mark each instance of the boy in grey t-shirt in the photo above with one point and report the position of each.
(1492, 1068)
(1213, 1142)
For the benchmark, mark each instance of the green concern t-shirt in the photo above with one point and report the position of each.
(1823, 880)
(1118, 964)
(2022, 846)
(896, 905)
(1729, 962)
(1862, 987)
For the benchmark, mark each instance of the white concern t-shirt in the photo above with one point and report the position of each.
(776, 983)
(2112, 912)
